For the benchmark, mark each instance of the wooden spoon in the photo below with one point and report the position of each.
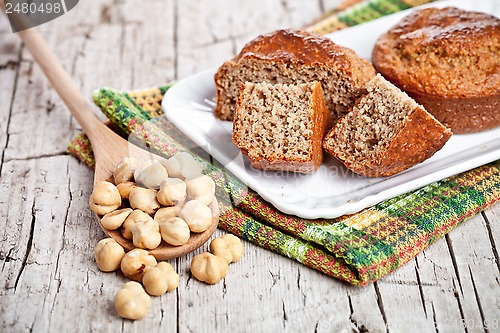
(109, 148)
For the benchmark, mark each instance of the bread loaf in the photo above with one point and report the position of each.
(448, 60)
(291, 57)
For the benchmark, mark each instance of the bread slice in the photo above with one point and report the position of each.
(386, 132)
(290, 57)
(280, 126)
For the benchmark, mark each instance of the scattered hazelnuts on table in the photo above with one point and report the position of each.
(212, 267)
(228, 247)
(132, 302)
(136, 262)
(150, 203)
(209, 268)
(160, 279)
(108, 255)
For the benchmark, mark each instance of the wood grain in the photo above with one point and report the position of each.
(50, 282)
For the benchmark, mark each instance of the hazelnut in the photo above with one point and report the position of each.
(197, 215)
(105, 198)
(201, 188)
(115, 219)
(144, 199)
(136, 262)
(175, 231)
(182, 165)
(219, 248)
(132, 302)
(125, 188)
(235, 245)
(208, 268)
(151, 174)
(166, 213)
(172, 192)
(134, 217)
(146, 235)
(160, 279)
(108, 255)
(228, 247)
(124, 171)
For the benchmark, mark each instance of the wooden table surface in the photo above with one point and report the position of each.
(49, 280)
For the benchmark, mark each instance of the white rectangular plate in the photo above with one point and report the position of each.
(332, 190)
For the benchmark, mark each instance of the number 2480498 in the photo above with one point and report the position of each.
(32, 8)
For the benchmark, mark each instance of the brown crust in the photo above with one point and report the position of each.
(447, 60)
(281, 163)
(298, 48)
(463, 115)
(420, 137)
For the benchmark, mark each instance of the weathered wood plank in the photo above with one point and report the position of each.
(48, 248)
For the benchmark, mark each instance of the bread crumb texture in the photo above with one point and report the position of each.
(280, 126)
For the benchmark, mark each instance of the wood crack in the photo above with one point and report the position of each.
(460, 307)
(492, 240)
(304, 296)
(380, 304)
(36, 157)
(189, 279)
(29, 246)
(434, 318)
(285, 316)
(66, 218)
(9, 116)
(478, 301)
(360, 329)
(286, 10)
(420, 288)
(63, 236)
(8, 258)
(275, 278)
(11, 64)
(454, 261)
(224, 288)
(123, 37)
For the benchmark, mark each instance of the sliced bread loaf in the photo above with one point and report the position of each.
(386, 132)
(286, 56)
(280, 126)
